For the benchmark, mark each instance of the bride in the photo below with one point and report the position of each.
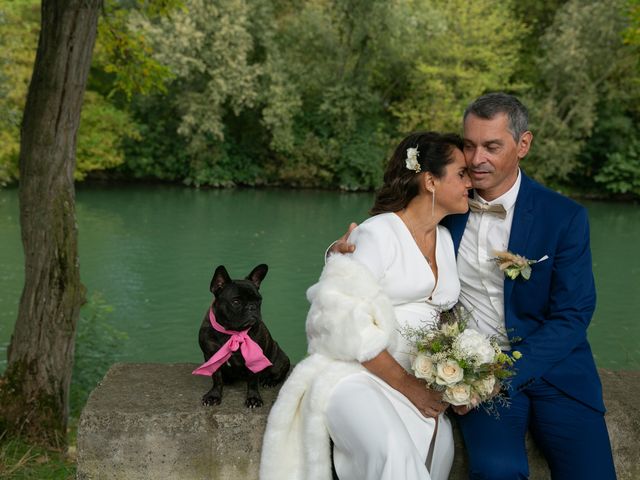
(353, 404)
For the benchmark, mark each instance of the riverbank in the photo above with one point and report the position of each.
(114, 180)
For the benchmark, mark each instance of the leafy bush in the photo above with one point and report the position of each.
(621, 171)
(97, 346)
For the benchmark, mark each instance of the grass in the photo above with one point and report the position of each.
(97, 343)
(20, 460)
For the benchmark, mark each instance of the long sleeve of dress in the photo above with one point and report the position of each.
(351, 318)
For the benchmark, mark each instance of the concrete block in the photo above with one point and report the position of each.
(621, 395)
(146, 421)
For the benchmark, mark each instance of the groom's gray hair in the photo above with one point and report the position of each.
(492, 104)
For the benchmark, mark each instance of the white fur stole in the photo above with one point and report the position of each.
(350, 321)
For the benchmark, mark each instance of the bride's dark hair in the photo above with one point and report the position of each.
(401, 184)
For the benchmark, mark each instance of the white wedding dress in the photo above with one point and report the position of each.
(377, 432)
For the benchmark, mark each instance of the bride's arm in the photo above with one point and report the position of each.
(428, 401)
(375, 249)
(352, 319)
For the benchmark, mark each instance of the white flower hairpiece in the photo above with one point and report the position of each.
(412, 159)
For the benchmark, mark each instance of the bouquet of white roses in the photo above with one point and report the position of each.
(465, 365)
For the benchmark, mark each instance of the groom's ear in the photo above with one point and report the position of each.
(526, 139)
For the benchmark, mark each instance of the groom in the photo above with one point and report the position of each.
(556, 392)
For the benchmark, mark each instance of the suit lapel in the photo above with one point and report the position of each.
(520, 229)
(456, 225)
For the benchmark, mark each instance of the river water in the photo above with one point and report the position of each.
(151, 251)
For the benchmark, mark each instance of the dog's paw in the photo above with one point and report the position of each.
(210, 400)
(253, 402)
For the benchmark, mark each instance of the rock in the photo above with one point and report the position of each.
(146, 421)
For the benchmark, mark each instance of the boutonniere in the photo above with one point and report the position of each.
(513, 264)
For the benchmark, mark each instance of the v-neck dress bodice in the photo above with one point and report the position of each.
(386, 247)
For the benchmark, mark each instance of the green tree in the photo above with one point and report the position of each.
(621, 171)
(612, 155)
(334, 125)
(583, 56)
(632, 33)
(123, 62)
(208, 47)
(103, 128)
(34, 390)
(19, 26)
(537, 16)
(380, 69)
(313, 93)
(158, 152)
(124, 54)
(467, 49)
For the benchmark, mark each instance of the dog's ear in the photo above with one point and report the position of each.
(219, 280)
(258, 274)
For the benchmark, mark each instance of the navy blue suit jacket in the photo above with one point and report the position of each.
(551, 311)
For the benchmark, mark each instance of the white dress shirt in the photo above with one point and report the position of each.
(481, 281)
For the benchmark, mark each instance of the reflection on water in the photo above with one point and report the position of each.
(151, 252)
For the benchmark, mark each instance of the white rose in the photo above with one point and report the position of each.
(474, 344)
(458, 395)
(485, 387)
(448, 373)
(423, 367)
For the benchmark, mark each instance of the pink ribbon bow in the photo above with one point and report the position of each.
(252, 353)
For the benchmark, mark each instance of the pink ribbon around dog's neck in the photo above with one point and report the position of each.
(252, 353)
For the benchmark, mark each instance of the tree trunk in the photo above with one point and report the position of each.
(34, 391)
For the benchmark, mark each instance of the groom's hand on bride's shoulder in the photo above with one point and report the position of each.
(342, 245)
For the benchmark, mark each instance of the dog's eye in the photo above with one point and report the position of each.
(235, 302)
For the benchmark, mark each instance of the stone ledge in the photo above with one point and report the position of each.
(146, 421)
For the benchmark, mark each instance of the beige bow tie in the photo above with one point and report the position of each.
(496, 209)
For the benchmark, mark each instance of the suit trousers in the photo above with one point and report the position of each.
(572, 436)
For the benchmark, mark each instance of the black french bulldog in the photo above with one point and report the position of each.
(236, 307)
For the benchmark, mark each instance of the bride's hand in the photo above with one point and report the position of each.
(342, 245)
(461, 409)
(428, 401)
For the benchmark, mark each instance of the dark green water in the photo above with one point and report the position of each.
(151, 252)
